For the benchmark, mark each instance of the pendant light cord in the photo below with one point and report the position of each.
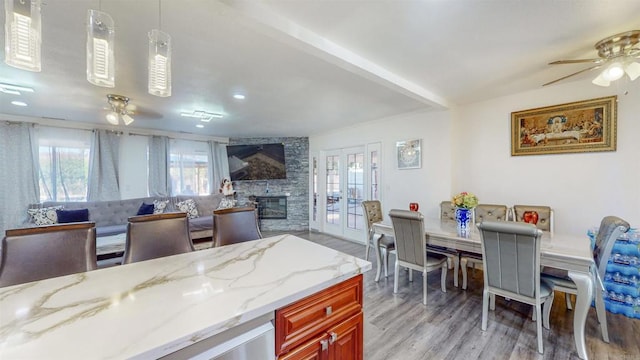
(159, 14)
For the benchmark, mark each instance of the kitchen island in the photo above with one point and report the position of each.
(154, 308)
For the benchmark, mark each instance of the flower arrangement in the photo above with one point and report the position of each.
(465, 200)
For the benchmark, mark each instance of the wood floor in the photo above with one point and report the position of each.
(398, 326)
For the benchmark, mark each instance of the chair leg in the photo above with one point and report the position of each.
(424, 287)
(395, 277)
(456, 269)
(539, 328)
(567, 299)
(366, 250)
(547, 311)
(443, 278)
(601, 311)
(485, 308)
(492, 302)
(385, 260)
(410, 275)
(463, 268)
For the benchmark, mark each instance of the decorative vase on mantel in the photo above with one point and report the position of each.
(463, 221)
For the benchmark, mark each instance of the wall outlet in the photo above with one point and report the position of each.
(287, 194)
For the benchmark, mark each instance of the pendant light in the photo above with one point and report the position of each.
(100, 57)
(23, 34)
(159, 60)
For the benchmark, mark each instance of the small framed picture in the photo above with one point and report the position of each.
(409, 154)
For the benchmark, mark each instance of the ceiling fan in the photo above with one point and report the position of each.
(618, 54)
(120, 109)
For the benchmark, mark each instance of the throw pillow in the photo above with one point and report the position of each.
(188, 206)
(44, 216)
(69, 216)
(159, 206)
(146, 209)
(226, 203)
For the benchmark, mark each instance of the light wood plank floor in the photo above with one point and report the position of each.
(398, 326)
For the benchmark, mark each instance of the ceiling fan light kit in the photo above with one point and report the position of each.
(23, 34)
(100, 56)
(618, 55)
(118, 104)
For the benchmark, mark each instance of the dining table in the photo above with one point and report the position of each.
(568, 252)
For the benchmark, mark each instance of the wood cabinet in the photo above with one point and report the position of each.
(326, 325)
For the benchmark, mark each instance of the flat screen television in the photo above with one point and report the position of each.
(256, 162)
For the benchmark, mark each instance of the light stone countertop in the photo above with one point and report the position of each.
(153, 308)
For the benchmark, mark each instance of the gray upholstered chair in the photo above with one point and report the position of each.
(447, 211)
(540, 216)
(611, 227)
(511, 253)
(235, 225)
(482, 212)
(411, 250)
(42, 252)
(372, 210)
(158, 235)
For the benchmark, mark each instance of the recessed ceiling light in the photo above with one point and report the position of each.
(199, 126)
(19, 103)
(238, 96)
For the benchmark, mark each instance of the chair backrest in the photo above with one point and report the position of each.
(235, 225)
(372, 210)
(611, 227)
(447, 210)
(511, 257)
(157, 235)
(408, 227)
(43, 252)
(490, 212)
(540, 216)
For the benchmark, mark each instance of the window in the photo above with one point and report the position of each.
(64, 164)
(189, 167)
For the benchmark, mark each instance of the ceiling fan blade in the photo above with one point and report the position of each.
(575, 73)
(577, 61)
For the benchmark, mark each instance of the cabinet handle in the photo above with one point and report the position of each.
(324, 344)
(328, 310)
(332, 337)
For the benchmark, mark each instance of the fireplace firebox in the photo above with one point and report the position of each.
(272, 207)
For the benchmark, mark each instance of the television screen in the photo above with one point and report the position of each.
(256, 162)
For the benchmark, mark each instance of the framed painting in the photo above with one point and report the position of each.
(408, 153)
(582, 126)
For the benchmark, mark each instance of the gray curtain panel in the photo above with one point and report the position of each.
(103, 166)
(219, 165)
(159, 178)
(19, 168)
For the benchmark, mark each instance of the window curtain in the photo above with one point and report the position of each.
(103, 166)
(19, 168)
(218, 164)
(159, 180)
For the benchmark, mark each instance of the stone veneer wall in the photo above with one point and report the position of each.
(296, 152)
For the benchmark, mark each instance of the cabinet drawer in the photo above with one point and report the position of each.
(304, 319)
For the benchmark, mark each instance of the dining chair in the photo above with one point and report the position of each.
(157, 235)
(482, 212)
(448, 213)
(411, 250)
(540, 216)
(611, 227)
(372, 210)
(42, 252)
(235, 225)
(511, 253)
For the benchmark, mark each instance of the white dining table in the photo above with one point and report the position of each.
(560, 251)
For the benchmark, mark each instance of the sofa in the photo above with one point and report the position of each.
(111, 217)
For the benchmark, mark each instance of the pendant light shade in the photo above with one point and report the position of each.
(100, 58)
(23, 34)
(159, 63)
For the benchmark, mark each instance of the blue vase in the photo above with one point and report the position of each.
(463, 220)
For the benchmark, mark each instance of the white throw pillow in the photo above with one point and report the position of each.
(226, 203)
(44, 216)
(188, 206)
(159, 206)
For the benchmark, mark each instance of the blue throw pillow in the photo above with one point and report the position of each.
(69, 216)
(145, 209)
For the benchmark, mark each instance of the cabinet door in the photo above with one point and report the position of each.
(315, 349)
(345, 339)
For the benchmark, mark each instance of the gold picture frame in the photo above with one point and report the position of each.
(582, 126)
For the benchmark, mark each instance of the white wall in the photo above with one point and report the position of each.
(581, 188)
(428, 185)
(469, 149)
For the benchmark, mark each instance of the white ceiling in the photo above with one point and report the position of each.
(309, 66)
